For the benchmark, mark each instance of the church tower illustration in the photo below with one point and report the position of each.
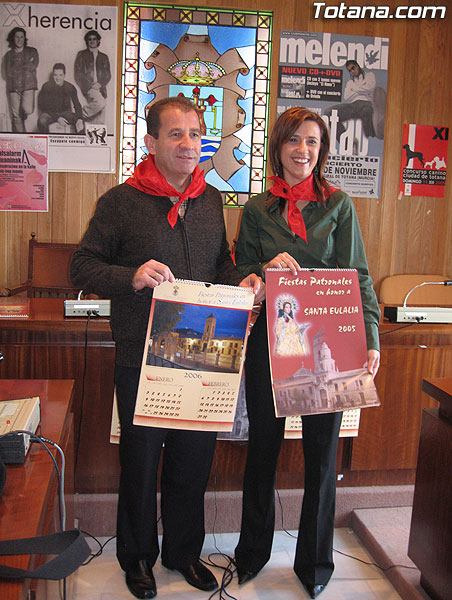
(209, 328)
(324, 362)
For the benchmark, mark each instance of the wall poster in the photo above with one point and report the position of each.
(58, 79)
(23, 173)
(220, 59)
(424, 161)
(343, 78)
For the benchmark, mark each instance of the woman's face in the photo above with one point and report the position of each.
(19, 39)
(287, 308)
(300, 153)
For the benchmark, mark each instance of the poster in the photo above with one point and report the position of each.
(423, 166)
(49, 85)
(317, 342)
(23, 173)
(343, 78)
(193, 357)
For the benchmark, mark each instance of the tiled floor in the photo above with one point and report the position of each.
(103, 579)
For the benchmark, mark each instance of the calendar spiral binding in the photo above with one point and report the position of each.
(311, 269)
(208, 284)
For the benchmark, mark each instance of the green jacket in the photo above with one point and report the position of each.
(334, 240)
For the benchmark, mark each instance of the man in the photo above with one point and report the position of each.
(19, 66)
(364, 100)
(92, 73)
(58, 102)
(164, 222)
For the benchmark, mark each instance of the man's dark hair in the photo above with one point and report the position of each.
(89, 33)
(155, 110)
(12, 33)
(354, 63)
(59, 66)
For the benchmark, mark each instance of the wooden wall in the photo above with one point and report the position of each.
(401, 236)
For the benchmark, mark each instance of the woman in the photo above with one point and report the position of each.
(19, 69)
(290, 340)
(300, 222)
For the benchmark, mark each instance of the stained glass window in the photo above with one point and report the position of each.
(220, 59)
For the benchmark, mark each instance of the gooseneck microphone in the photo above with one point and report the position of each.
(446, 282)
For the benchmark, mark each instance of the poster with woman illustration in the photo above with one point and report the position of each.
(317, 342)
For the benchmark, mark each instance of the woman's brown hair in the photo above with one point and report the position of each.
(284, 128)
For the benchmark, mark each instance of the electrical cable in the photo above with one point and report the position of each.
(229, 569)
(372, 564)
(399, 328)
(85, 363)
(60, 478)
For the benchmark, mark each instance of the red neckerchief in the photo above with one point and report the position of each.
(302, 191)
(148, 178)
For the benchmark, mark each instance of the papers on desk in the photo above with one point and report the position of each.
(14, 308)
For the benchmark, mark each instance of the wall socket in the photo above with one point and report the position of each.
(84, 308)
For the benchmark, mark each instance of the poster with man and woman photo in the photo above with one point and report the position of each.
(58, 79)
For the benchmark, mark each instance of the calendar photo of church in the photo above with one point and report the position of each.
(194, 337)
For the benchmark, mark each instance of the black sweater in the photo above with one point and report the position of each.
(130, 227)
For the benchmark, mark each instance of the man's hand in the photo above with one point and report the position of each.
(255, 282)
(151, 274)
(373, 362)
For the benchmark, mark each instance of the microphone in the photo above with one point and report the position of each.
(446, 282)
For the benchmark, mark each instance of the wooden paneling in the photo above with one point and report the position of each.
(401, 235)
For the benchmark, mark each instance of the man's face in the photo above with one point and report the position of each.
(353, 70)
(58, 76)
(92, 41)
(177, 149)
(19, 39)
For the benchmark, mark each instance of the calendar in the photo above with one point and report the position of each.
(193, 358)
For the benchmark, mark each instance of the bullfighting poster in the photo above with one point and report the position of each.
(343, 78)
(58, 79)
(193, 356)
(424, 161)
(317, 342)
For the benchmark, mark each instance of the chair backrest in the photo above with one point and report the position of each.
(48, 269)
(394, 288)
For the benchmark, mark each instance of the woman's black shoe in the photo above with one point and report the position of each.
(314, 590)
(244, 576)
(140, 580)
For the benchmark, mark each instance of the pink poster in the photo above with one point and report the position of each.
(317, 342)
(23, 173)
(424, 161)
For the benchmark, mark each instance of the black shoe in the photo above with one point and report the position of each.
(199, 577)
(140, 580)
(244, 576)
(314, 590)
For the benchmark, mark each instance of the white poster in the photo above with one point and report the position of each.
(58, 78)
(193, 356)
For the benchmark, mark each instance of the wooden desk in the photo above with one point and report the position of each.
(29, 503)
(50, 346)
(430, 543)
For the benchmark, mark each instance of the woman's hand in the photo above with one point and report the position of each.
(373, 362)
(283, 260)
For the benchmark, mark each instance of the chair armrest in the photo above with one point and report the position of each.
(16, 289)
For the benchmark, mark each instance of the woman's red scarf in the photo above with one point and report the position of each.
(148, 178)
(302, 191)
